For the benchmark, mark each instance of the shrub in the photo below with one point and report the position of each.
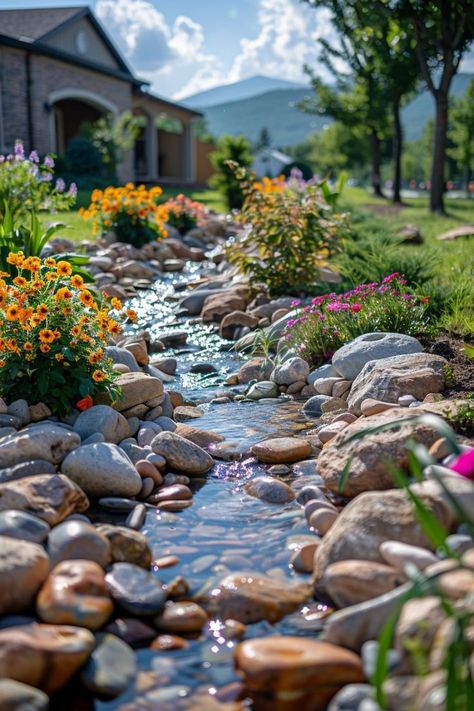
(83, 158)
(111, 137)
(52, 336)
(131, 212)
(331, 320)
(184, 213)
(230, 148)
(291, 233)
(27, 184)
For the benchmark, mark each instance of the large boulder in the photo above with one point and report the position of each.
(51, 497)
(137, 388)
(390, 378)
(104, 419)
(351, 358)
(371, 456)
(181, 454)
(255, 369)
(102, 469)
(45, 441)
(293, 370)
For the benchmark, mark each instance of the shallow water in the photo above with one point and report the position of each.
(224, 531)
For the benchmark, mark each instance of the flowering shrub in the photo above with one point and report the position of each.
(27, 184)
(292, 232)
(331, 320)
(131, 212)
(184, 213)
(52, 335)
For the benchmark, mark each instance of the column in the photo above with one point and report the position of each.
(188, 153)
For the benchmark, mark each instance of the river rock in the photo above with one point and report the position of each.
(187, 412)
(307, 671)
(181, 454)
(102, 469)
(263, 389)
(399, 554)
(51, 497)
(270, 489)
(15, 696)
(23, 568)
(350, 359)
(138, 591)
(124, 357)
(251, 597)
(292, 370)
(22, 525)
(104, 419)
(389, 378)
(137, 388)
(371, 519)
(350, 697)
(111, 668)
(44, 656)
(75, 594)
(235, 320)
(281, 450)
(126, 545)
(328, 432)
(255, 369)
(203, 438)
(33, 466)
(181, 618)
(369, 455)
(312, 407)
(77, 539)
(354, 581)
(44, 441)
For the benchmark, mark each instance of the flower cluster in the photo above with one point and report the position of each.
(270, 185)
(184, 213)
(53, 334)
(132, 212)
(328, 321)
(27, 183)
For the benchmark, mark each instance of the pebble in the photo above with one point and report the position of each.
(116, 503)
(24, 567)
(350, 697)
(406, 400)
(181, 618)
(148, 470)
(174, 505)
(134, 632)
(370, 407)
(270, 489)
(73, 540)
(168, 643)
(174, 492)
(317, 504)
(170, 479)
(19, 471)
(104, 420)
(111, 667)
(312, 407)
(309, 493)
(281, 450)
(127, 545)
(181, 454)
(322, 519)
(302, 558)
(136, 517)
(279, 470)
(263, 389)
(75, 594)
(328, 432)
(43, 441)
(166, 561)
(138, 591)
(23, 525)
(15, 696)
(148, 485)
(183, 413)
(399, 554)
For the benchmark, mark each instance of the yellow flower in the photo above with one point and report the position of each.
(46, 335)
(32, 264)
(77, 281)
(64, 268)
(20, 281)
(116, 303)
(132, 315)
(15, 258)
(98, 376)
(86, 298)
(49, 262)
(59, 357)
(50, 276)
(12, 313)
(44, 348)
(28, 346)
(75, 331)
(63, 293)
(42, 310)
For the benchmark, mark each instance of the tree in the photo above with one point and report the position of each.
(461, 134)
(112, 136)
(230, 148)
(264, 140)
(443, 31)
(202, 132)
(336, 148)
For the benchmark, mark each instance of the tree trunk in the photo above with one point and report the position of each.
(439, 153)
(397, 150)
(376, 163)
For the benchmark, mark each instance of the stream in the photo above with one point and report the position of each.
(224, 531)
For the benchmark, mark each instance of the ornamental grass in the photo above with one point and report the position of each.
(53, 335)
(132, 212)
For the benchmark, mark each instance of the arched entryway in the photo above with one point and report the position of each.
(69, 110)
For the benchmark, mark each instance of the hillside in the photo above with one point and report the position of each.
(237, 91)
(277, 110)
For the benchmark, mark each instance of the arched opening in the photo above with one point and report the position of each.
(70, 110)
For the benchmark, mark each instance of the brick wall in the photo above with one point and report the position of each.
(13, 88)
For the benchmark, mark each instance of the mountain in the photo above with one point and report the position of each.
(244, 89)
(277, 111)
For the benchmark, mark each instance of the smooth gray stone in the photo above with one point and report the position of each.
(23, 525)
(350, 696)
(20, 409)
(19, 471)
(166, 423)
(138, 591)
(10, 421)
(94, 438)
(73, 540)
(104, 420)
(111, 667)
(136, 517)
(312, 407)
(324, 371)
(16, 696)
(204, 368)
(350, 359)
(117, 503)
(121, 355)
(166, 407)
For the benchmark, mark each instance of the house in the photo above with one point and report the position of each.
(270, 162)
(59, 69)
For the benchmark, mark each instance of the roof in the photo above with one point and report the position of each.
(165, 102)
(274, 154)
(31, 25)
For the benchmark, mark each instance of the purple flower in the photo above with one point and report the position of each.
(47, 177)
(49, 162)
(19, 151)
(72, 192)
(34, 158)
(33, 170)
(60, 185)
(2, 158)
(296, 302)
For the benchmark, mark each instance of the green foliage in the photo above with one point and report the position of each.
(461, 133)
(112, 137)
(292, 232)
(336, 148)
(230, 148)
(83, 158)
(463, 419)
(264, 140)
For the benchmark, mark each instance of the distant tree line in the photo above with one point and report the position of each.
(385, 51)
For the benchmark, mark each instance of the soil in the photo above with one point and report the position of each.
(461, 380)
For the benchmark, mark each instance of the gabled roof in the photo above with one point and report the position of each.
(31, 27)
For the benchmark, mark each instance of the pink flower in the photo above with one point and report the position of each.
(464, 464)
(356, 307)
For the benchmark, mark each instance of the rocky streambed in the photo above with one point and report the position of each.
(191, 547)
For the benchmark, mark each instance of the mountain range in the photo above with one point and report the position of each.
(246, 107)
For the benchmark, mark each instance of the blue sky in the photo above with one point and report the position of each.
(186, 46)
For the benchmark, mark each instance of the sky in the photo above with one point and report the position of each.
(186, 46)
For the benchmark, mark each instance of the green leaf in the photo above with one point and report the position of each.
(344, 475)
(468, 350)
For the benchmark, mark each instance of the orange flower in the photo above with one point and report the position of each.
(12, 313)
(46, 335)
(16, 258)
(75, 331)
(77, 281)
(49, 262)
(132, 314)
(85, 403)
(28, 346)
(59, 357)
(63, 293)
(20, 281)
(44, 348)
(64, 268)
(50, 276)
(86, 298)
(116, 303)
(98, 376)
(42, 310)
